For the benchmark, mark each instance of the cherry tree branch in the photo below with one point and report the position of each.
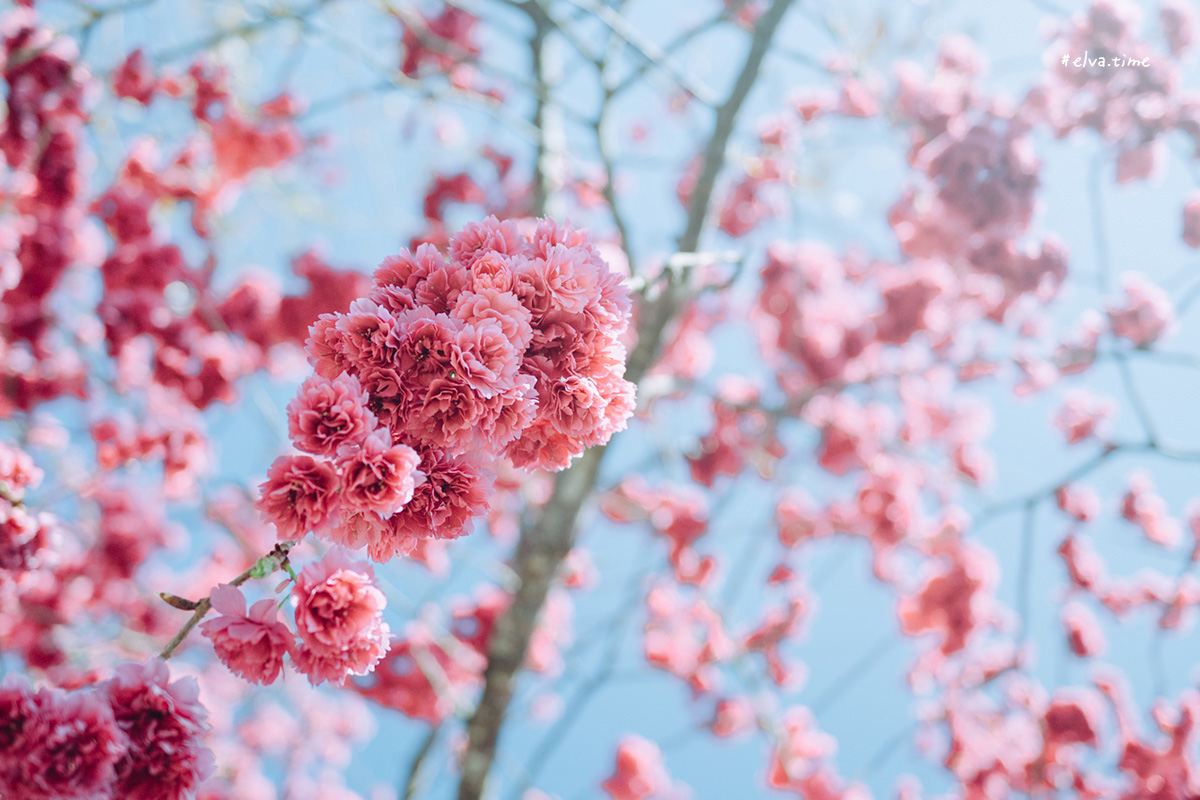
(415, 770)
(543, 546)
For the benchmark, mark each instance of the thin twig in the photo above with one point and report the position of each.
(265, 565)
(412, 781)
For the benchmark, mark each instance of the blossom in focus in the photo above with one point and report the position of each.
(301, 494)
(339, 619)
(251, 643)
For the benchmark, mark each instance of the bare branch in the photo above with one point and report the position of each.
(413, 779)
(648, 49)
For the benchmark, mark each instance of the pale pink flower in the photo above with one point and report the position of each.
(252, 644)
(1082, 414)
(492, 271)
(1145, 315)
(1144, 507)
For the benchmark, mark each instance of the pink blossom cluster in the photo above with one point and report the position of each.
(678, 512)
(48, 93)
(802, 761)
(742, 432)
(955, 601)
(339, 625)
(56, 575)
(686, 637)
(136, 735)
(1146, 509)
(424, 676)
(1133, 107)
(164, 323)
(25, 538)
(164, 431)
(1170, 597)
(977, 177)
(508, 349)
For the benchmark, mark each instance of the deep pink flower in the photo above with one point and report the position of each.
(301, 494)
(391, 397)
(440, 291)
(365, 334)
(252, 644)
(424, 341)
(325, 347)
(22, 536)
(165, 725)
(455, 490)
(57, 746)
(326, 414)
(377, 475)
(134, 78)
(339, 616)
(1073, 717)
(409, 270)
(507, 414)
(17, 715)
(954, 599)
(448, 416)
(1085, 637)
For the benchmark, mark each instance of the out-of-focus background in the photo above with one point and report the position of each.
(401, 121)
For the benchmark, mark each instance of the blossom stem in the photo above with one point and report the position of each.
(272, 561)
